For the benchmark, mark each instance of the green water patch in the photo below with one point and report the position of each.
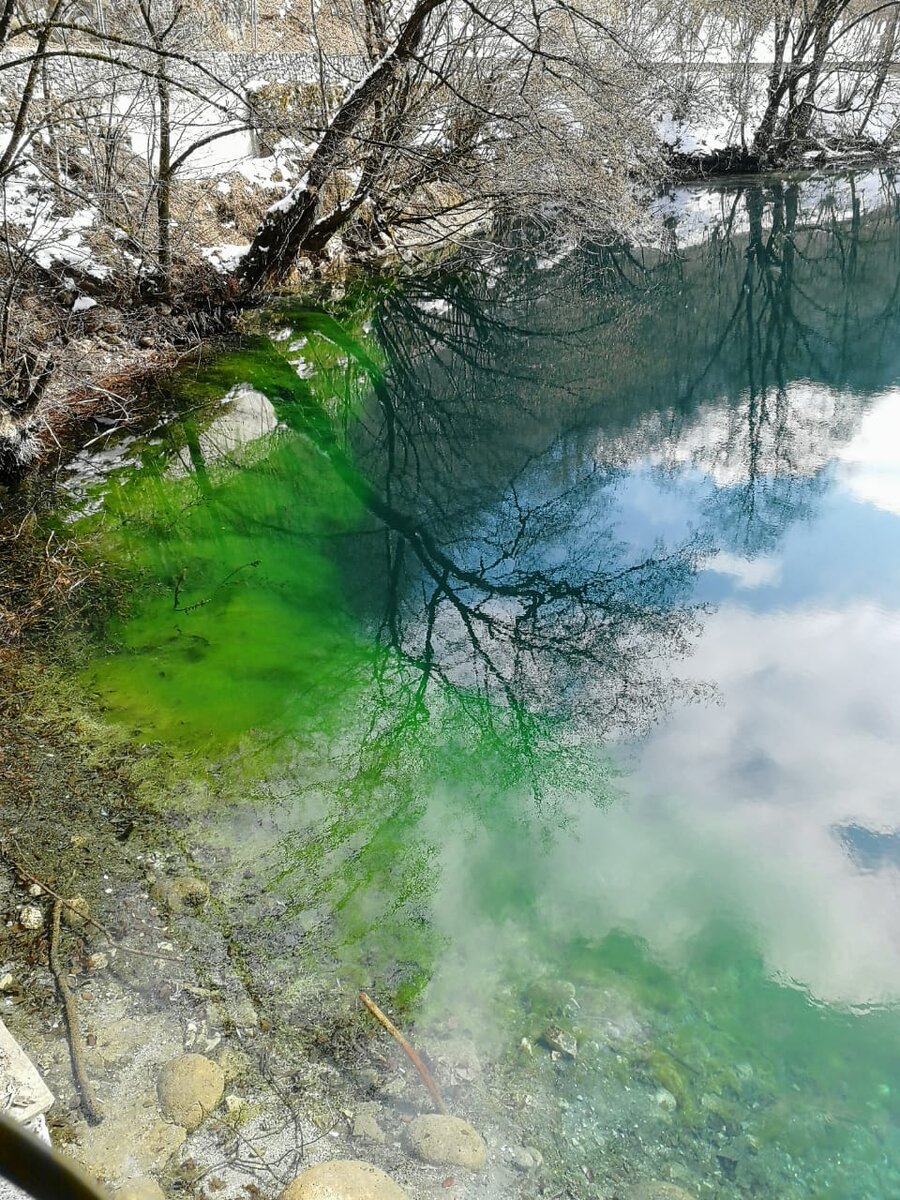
(234, 619)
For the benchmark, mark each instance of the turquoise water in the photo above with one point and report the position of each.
(549, 613)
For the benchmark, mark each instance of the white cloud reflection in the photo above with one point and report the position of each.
(733, 810)
(870, 463)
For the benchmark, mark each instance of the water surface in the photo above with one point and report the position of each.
(551, 610)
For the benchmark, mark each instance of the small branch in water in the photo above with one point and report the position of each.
(411, 1054)
(179, 583)
(73, 1023)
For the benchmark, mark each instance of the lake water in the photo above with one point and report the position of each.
(534, 632)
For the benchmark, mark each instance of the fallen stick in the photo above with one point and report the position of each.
(409, 1051)
(85, 1087)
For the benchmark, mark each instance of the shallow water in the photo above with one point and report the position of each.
(549, 611)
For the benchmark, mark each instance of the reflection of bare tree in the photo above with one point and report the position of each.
(512, 625)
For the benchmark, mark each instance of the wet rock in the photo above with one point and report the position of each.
(666, 1100)
(560, 1040)
(189, 1087)
(526, 1158)
(31, 917)
(365, 1123)
(658, 1191)
(394, 1089)
(178, 894)
(26, 1094)
(343, 1179)
(144, 1188)
(76, 912)
(446, 1141)
(236, 1064)
(459, 1061)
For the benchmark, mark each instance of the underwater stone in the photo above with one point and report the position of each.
(189, 1087)
(365, 1123)
(75, 912)
(658, 1191)
(343, 1179)
(550, 997)
(141, 1189)
(183, 892)
(560, 1040)
(446, 1141)
(526, 1158)
(31, 917)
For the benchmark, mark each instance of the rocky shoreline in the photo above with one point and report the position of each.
(199, 1092)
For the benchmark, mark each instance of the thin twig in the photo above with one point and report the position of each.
(411, 1054)
(85, 1088)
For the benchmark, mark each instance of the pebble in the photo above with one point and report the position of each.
(560, 1040)
(666, 1100)
(76, 912)
(185, 891)
(7, 982)
(141, 1189)
(365, 1124)
(31, 917)
(97, 962)
(446, 1141)
(343, 1179)
(526, 1158)
(189, 1087)
(35, 889)
(658, 1191)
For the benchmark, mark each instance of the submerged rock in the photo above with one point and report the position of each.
(75, 912)
(658, 1191)
(31, 917)
(526, 1158)
(560, 1040)
(365, 1123)
(178, 894)
(141, 1189)
(132, 1142)
(550, 997)
(446, 1141)
(343, 1179)
(189, 1087)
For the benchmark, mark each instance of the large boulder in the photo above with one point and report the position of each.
(446, 1142)
(189, 1087)
(343, 1179)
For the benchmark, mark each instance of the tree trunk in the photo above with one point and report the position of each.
(164, 181)
(283, 234)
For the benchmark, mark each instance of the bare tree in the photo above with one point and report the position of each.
(468, 110)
